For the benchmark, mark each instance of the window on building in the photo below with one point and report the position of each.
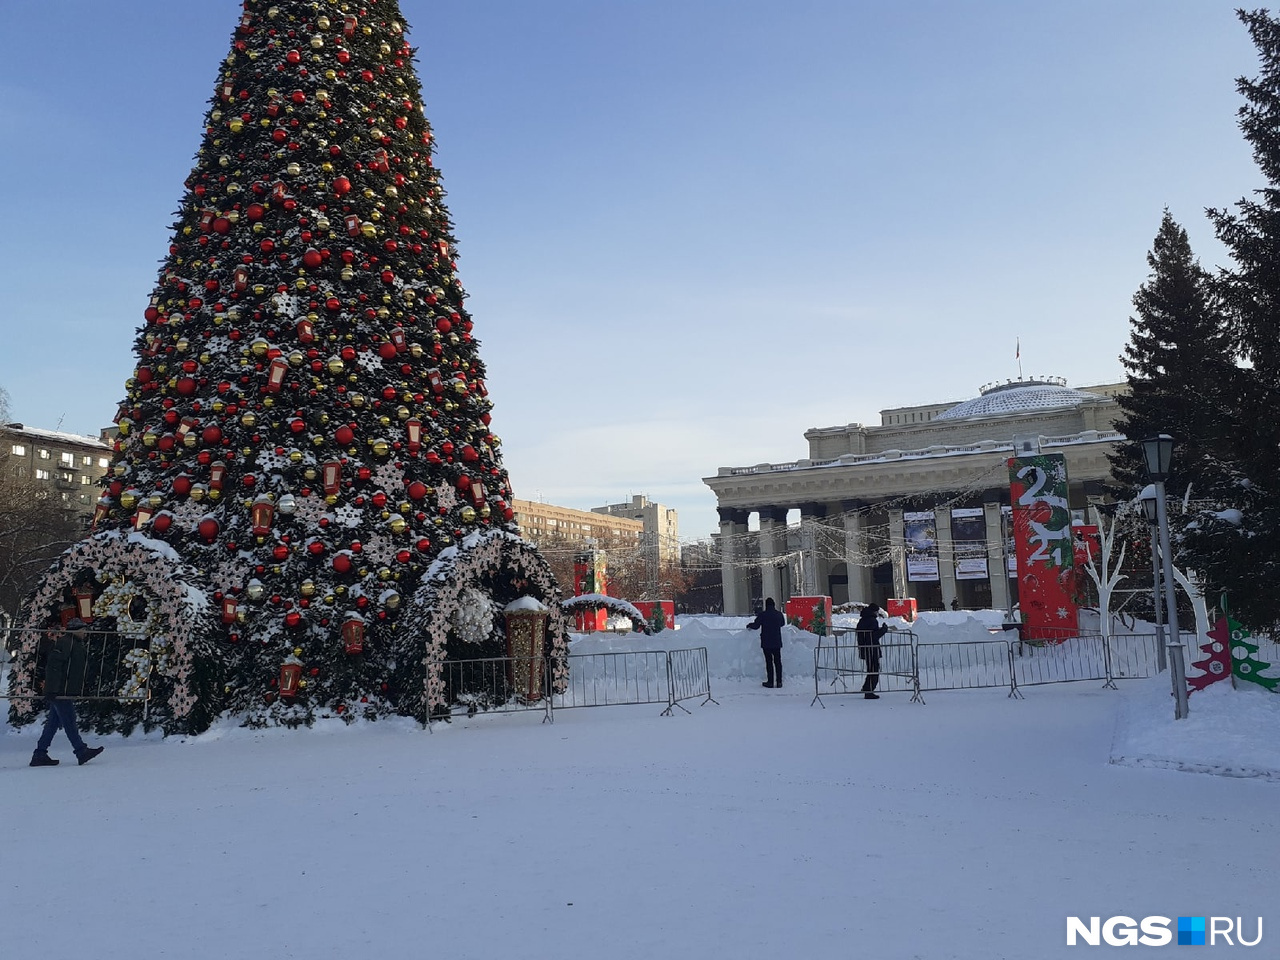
(42, 475)
(86, 461)
(19, 449)
(19, 471)
(43, 454)
(102, 462)
(67, 459)
(85, 480)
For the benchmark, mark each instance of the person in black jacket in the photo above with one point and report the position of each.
(869, 631)
(769, 622)
(60, 669)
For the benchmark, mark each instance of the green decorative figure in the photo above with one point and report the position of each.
(1245, 664)
(818, 625)
(657, 619)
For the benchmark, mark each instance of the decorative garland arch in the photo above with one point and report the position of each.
(615, 605)
(180, 650)
(432, 611)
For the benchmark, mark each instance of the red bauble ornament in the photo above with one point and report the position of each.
(341, 186)
(344, 436)
(417, 490)
(208, 529)
(342, 563)
(424, 545)
(211, 436)
(186, 386)
(312, 259)
(162, 522)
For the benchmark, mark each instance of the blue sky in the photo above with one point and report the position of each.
(691, 229)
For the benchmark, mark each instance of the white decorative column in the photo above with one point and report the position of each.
(946, 555)
(733, 572)
(995, 557)
(773, 526)
(855, 551)
(898, 544)
(815, 567)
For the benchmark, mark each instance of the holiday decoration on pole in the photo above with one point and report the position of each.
(308, 412)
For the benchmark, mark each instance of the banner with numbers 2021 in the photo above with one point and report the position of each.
(1042, 538)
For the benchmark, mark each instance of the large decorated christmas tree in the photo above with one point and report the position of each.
(307, 510)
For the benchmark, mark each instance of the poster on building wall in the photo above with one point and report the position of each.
(969, 539)
(1046, 553)
(921, 533)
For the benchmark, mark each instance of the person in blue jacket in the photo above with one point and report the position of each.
(769, 622)
(60, 670)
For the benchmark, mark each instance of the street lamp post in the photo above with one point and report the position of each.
(1158, 453)
(1148, 500)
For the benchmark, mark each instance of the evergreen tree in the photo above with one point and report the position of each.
(1237, 545)
(1180, 368)
(305, 444)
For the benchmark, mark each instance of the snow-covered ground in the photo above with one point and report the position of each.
(969, 827)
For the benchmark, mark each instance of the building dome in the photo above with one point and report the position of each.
(1018, 396)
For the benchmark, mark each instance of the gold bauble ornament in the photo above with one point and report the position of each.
(293, 169)
(398, 524)
(197, 492)
(322, 22)
(381, 448)
(297, 651)
(128, 500)
(307, 588)
(249, 419)
(259, 347)
(368, 230)
(148, 439)
(392, 601)
(190, 440)
(317, 43)
(331, 499)
(295, 456)
(336, 366)
(296, 359)
(468, 515)
(310, 473)
(356, 400)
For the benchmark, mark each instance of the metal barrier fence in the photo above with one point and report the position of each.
(998, 662)
(966, 665)
(690, 677)
(521, 684)
(840, 665)
(606, 679)
(114, 668)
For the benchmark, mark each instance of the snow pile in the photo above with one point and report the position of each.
(1230, 733)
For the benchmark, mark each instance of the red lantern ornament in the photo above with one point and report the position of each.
(436, 381)
(217, 476)
(413, 430)
(331, 477)
(353, 636)
(83, 597)
(261, 514)
(353, 225)
(290, 674)
(230, 606)
(144, 514)
(276, 374)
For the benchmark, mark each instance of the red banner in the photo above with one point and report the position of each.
(1046, 554)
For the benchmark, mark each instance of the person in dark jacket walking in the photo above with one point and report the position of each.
(769, 622)
(60, 668)
(869, 631)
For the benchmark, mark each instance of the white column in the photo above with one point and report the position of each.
(995, 557)
(733, 528)
(946, 555)
(898, 543)
(773, 525)
(855, 553)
